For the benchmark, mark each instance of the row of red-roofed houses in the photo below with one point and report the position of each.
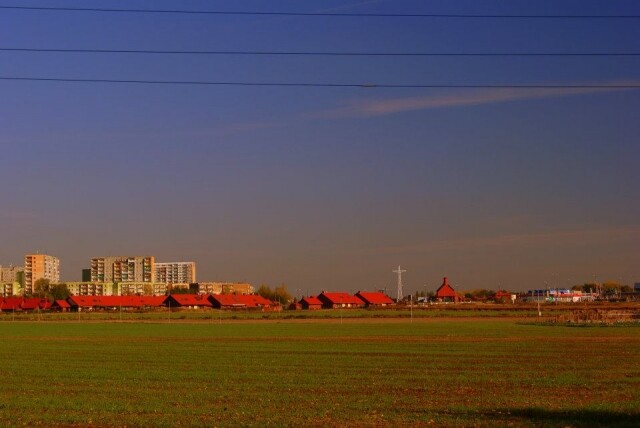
(174, 301)
(9, 304)
(327, 300)
(331, 300)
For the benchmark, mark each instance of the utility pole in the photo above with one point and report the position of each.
(399, 272)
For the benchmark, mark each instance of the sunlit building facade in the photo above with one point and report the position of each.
(175, 272)
(39, 266)
(122, 269)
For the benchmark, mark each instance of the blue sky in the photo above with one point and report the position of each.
(326, 188)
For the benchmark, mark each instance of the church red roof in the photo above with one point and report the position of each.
(446, 290)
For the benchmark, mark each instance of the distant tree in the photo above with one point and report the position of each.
(41, 288)
(479, 294)
(626, 289)
(282, 295)
(611, 288)
(181, 290)
(59, 292)
(265, 292)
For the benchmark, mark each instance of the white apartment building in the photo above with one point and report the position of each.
(122, 269)
(175, 272)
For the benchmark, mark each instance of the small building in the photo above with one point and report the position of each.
(446, 293)
(311, 303)
(10, 304)
(34, 304)
(240, 301)
(189, 301)
(374, 299)
(79, 303)
(504, 296)
(60, 306)
(339, 300)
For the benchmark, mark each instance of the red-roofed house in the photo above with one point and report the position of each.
(114, 302)
(446, 293)
(10, 304)
(79, 303)
(60, 305)
(372, 299)
(191, 301)
(339, 300)
(311, 303)
(33, 304)
(502, 296)
(240, 301)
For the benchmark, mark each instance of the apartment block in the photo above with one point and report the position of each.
(175, 272)
(224, 288)
(11, 274)
(123, 269)
(85, 288)
(142, 288)
(38, 266)
(88, 288)
(9, 289)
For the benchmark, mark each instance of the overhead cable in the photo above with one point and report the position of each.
(318, 85)
(309, 53)
(317, 14)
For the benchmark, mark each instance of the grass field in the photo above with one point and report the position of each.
(443, 311)
(318, 373)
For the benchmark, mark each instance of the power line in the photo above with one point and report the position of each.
(317, 14)
(316, 85)
(307, 53)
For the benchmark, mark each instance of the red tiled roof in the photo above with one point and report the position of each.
(61, 304)
(153, 301)
(188, 299)
(374, 298)
(341, 298)
(31, 304)
(255, 300)
(502, 294)
(115, 301)
(241, 300)
(10, 303)
(446, 290)
(311, 301)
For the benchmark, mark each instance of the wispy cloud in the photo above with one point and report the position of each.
(454, 98)
(561, 237)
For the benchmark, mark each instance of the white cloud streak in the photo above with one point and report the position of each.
(455, 98)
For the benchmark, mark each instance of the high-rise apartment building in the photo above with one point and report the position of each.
(122, 269)
(176, 272)
(38, 266)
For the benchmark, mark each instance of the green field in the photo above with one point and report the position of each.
(318, 373)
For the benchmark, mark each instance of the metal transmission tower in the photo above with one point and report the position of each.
(399, 272)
